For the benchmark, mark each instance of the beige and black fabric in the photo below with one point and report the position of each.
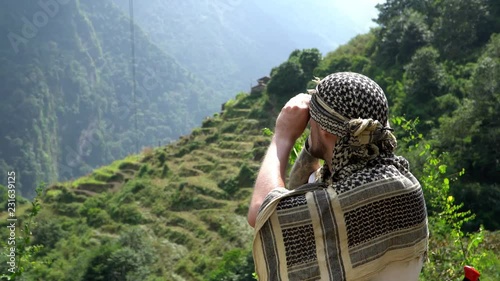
(368, 211)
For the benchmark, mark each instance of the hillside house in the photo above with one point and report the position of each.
(261, 85)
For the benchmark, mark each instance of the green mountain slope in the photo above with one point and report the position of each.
(229, 44)
(170, 212)
(68, 103)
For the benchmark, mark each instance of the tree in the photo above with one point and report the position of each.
(286, 81)
(354, 63)
(402, 35)
(471, 134)
(494, 8)
(309, 59)
(485, 91)
(423, 84)
(391, 9)
(128, 259)
(459, 27)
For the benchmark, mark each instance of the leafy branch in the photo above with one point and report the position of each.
(446, 218)
(297, 147)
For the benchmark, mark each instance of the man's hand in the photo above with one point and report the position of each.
(293, 118)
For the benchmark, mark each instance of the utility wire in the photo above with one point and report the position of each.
(134, 85)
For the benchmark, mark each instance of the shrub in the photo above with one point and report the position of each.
(246, 176)
(162, 157)
(143, 170)
(138, 186)
(446, 219)
(127, 213)
(236, 264)
(230, 186)
(164, 171)
(97, 217)
(129, 166)
(147, 153)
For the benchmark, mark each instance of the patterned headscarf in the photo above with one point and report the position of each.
(354, 108)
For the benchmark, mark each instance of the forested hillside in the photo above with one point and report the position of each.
(231, 43)
(439, 61)
(68, 103)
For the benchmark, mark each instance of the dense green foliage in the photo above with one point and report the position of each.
(436, 66)
(68, 103)
(450, 246)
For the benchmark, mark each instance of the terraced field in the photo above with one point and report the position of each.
(189, 197)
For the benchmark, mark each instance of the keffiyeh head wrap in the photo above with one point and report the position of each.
(354, 108)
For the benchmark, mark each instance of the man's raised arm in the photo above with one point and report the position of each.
(290, 124)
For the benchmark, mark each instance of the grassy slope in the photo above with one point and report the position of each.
(188, 196)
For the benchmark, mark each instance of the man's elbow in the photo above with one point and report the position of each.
(251, 220)
(252, 214)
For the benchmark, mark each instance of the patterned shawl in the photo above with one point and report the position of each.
(365, 213)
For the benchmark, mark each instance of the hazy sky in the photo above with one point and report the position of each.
(359, 11)
(336, 21)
